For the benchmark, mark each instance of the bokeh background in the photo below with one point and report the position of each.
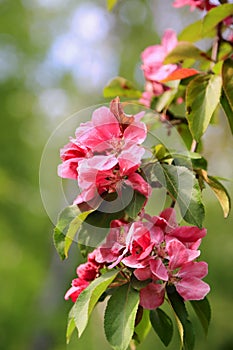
(55, 58)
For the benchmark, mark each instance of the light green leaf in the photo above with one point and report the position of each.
(203, 312)
(88, 299)
(143, 328)
(193, 32)
(220, 192)
(215, 16)
(135, 206)
(202, 97)
(227, 95)
(162, 325)
(121, 87)
(184, 324)
(64, 219)
(72, 230)
(120, 317)
(70, 325)
(184, 188)
(183, 51)
(228, 109)
(111, 4)
(206, 26)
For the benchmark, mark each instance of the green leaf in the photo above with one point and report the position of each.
(184, 324)
(120, 317)
(220, 192)
(184, 188)
(166, 98)
(70, 325)
(193, 32)
(203, 312)
(202, 97)
(72, 230)
(183, 51)
(227, 95)
(162, 325)
(228, 109)
(206, 26)
(121, 87)
(215, 16)
(143, 328)
(64, 219)
(135, 206)
(88, 299)
(111, 4)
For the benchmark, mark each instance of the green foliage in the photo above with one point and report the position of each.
(135, 206)
(70, 220)
(184, 324)
(162, 325)
(202, 97)
(220, 192)
(184, 51)
(203, 312)
(120, 316)
(227, 94)
(142, 329)
(88, 298)
(121, 87)
(184, 188)
(206, 27)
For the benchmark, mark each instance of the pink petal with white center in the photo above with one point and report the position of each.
(143, 273)
(102, 116)
(132, 261)
(192, 288)
(169, 40)
(153, 54)
(152, 296)
(135, 132)
(157, 235)
(130, 158)
(162, 72)
(158, 269)
(178, 254)
(197, 269)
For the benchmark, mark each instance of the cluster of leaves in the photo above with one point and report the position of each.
(204, 83)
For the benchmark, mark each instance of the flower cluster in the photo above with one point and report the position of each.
(201, 4)
(154, 69)
(105, 155)
(156, 252)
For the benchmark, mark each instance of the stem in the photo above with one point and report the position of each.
(215, 48)
(132, 345)
(194, 146)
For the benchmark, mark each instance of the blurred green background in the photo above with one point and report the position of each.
(55, 58)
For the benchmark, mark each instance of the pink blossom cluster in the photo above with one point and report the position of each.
(157, 252)
(154, 69)
(105, 154)
(201, 4)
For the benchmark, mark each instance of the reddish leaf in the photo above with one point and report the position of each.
(180, 73)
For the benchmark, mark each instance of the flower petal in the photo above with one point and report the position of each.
(192, 288)
(152, 296)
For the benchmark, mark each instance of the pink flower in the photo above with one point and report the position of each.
(78, 285)
(87, 271)
(71, 154)
(113, 250)
(139, 245)
(153, 57)
(152, 296)
(188, 281)
(201, 4)
(100, 175)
